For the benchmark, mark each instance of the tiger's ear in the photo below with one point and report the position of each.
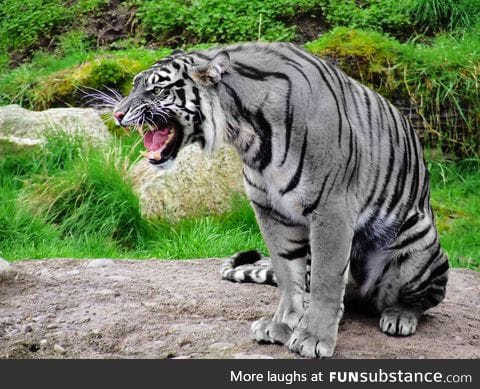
(212, 72)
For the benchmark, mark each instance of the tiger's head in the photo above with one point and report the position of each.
(174, 103)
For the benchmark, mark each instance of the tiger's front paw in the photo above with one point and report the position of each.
(267, 331)
(310, 346)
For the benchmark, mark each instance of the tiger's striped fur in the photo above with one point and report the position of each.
(334, 172)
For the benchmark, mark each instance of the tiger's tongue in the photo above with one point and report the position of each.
(155, 140)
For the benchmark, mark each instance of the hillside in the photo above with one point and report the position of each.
(421, 54)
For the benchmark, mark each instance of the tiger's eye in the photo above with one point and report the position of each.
(157, 90)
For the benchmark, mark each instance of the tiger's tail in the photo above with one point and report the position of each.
(249, 266)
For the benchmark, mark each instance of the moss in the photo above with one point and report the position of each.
(367, 56)
(106, 70)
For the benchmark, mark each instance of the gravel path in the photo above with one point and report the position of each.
(62, 308)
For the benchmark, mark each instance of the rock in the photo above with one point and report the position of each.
(100, 263)
(198, 183)
(6, 271)
(59, 349)
(43, 342)
(27, 328)
(21, 128)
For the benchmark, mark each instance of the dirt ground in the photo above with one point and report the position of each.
(181, 309)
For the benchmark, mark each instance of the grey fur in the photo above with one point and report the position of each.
(334, 173)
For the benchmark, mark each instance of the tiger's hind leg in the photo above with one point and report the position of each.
(414, 282)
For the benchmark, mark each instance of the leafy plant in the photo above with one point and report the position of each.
(24, 23)
(380, 15)
(220, 20)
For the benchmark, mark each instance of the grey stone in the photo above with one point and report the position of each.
(6, 271)
(198, 183)
(21, 128)
(27, 328)
(94, 263)
(59, 348)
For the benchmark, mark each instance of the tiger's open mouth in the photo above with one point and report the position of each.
(162, 142)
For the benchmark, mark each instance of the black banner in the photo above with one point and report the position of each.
(238, 373)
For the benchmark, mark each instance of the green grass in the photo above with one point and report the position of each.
(74, 200)
(444, 15)
(456, 202)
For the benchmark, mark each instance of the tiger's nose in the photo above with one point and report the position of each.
(119, 116)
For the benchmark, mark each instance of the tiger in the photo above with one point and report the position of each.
(334, 173)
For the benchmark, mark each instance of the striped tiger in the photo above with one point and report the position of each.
(334, 173)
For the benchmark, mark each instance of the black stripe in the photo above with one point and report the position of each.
(299, 241)
(329, 86)
(177, 84)
(400, 182)
(415, 165)
(264, 130)
(409, 223)
(296, 178)
(181, 95)
(246, 258)
(252, 184)
(394, 119)
(421, 272)
(417, 236)
(340, 80)
(260, 75)
(332, 184)
(296, 65)
(310, 208)
(391, 161)
(379, 120)
(299, 252)
(424, 286)
(278, 217)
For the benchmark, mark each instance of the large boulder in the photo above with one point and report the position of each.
(20, 127)
(199, 183)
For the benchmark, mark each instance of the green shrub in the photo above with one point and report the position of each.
(86, 6)
(381, 15)
(221, 20)
(23, 23)
(74, 42)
